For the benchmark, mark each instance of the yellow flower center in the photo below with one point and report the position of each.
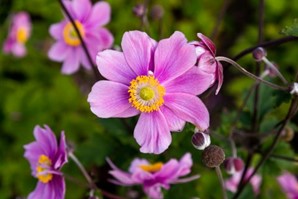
(44, 164)
(146, 94)
(70, 35)
(152, 168)
(22, 35)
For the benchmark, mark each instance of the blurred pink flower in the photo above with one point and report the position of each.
(19, 33)
(153, 177)
(156, 80)
(89, 20)
(205, 50)
(232, 183)
(289, 184)
(46, 158)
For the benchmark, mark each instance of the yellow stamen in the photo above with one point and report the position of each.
(146, 94)
(22, 35)
(152, 168)
(70, 35)
(44, 164)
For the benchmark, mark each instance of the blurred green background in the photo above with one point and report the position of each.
(33, 91)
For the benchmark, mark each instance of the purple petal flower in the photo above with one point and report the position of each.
(157, 80)
(89, 20)
(46, 157)
(232, 183)
(153, 177)
(289, 185)
(205, 50)
(19, 33)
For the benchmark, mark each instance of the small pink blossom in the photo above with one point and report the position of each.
(232, 183)
(157, 80)
(153, 177)
(89, 20)
(289, 185)
(19, 33)
(206, 51)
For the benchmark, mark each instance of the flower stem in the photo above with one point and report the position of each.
(96, 72)
(241, 69)
(221, 181)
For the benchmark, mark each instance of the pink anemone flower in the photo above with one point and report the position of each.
(206, 51)
(46, 157)
(89, 21)
(19, 33)
(155, 176)
(156, 80)
(289, 184)
(232, 183)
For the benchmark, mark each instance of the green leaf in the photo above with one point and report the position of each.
(291, 30)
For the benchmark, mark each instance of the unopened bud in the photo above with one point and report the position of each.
(213, 156)
(233, 165)
(157, 12)
(287, 134)
(200, 140)
(259, 53)
(139, 10)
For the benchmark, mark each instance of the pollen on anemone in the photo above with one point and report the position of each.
(159, 81)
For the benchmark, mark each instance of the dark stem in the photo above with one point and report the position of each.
(94, 68)
(291, 112)
(265, 45)
(219, 19)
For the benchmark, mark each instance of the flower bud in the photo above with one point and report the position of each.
(213, 156)
(259, 53)
(157, 12)
(200, 140)
(139, 10)
(233, 165)
(287, 134)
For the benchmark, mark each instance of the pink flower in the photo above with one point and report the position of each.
(156, 80)
(153, 177)
(89, 21)
(289, 184)
(19, 33)
(205, 50)
(232, 183)
(46, 158)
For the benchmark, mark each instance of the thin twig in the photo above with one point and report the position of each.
(96, 72)
(285, 158)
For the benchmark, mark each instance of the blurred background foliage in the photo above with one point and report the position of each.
(33, 91)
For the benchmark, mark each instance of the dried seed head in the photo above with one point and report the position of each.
(213, 156)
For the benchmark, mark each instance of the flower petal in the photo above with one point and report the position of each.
(82, 9)
(62, 154)
(154, 191)
(59, 51)
(152, 133)
(194, 81)
(136, 163)
(137, 49)
(112, 65)
(72, 62)
(19, 50)
(109, 99)
(189, 108)
(174, 122)
(100, 15)
(219, 77)
(56, 30)
(173, 57)
(209, 44)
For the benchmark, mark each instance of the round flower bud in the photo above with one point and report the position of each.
(157, 12)
(213, 156)
(287, 134)
(139, 10)
(259, 53)
(233, 165)
(200, 140)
